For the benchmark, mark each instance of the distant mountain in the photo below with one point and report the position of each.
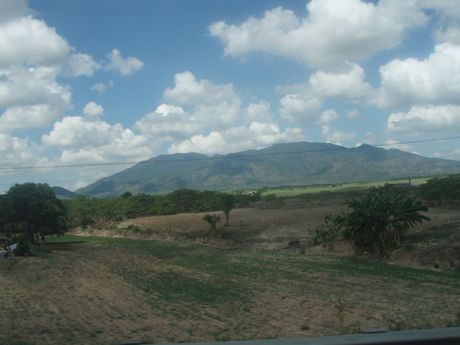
(289, 164)
(63, 193)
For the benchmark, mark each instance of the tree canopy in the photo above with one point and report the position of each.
(31, 209)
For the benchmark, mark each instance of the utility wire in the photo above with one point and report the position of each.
(229, 156)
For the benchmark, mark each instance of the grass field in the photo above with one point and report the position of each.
(96, 290)
(345, 187)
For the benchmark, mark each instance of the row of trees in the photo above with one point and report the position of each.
(375, 223)
(84, 211)
(441, 191)
(30, 211)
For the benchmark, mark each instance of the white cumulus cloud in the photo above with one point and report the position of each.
(256, 135)
(425, 119)
(82, 64)
(124, 66)
(26, 40)
(332, 33)
(347, 83)
(96, 141)
(31, 97)
(102, 87)
(434, 80)
(93, 111)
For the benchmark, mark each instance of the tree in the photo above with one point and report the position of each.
(32, 210)
(81, 211)
(379, 219)
(226, 203)
(441, 191)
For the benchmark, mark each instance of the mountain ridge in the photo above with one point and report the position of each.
(297, 163)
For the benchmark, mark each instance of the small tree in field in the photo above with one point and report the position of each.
(227, 203)
(212, 220)
(379, 219)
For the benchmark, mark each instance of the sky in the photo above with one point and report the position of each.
(90, 83)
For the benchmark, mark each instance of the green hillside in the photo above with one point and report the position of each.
(290, 164)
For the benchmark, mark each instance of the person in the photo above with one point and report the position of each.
(6, 248)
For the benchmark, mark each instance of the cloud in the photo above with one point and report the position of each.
(29, 41)
(448, 19)
(256, 135)
(168, 122)
(213, 105)
(425, 119)
(347, 83)
(205, 117)
(18, 118)
(12, 8)
(92, 111)
(95, 141)
(332, 33)
(82, 64)
(336, 137)
(124, 66)
(328, 117)
(101, 87)
(434, 80)
(31, 97)
(196, 106)
(300, 107)
(259, 112)
(449, 34)
(16, 152)
(451, 154)
(394, 144)
(353, 113)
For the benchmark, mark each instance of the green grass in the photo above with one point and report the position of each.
(219, 294)
(213, 271)
(345, 187)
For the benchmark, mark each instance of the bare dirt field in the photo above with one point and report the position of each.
(166, 279)
(110, 290)
(433, 244)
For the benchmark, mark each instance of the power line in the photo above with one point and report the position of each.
(229, 156)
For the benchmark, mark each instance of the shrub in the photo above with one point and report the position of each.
(379, 219)
(23, 247)
(212, 220)
(328, 232)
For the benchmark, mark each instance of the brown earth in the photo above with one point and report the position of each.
(89, 293)
(111, 290)
(434, 244)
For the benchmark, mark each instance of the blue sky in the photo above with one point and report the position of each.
(95, 82)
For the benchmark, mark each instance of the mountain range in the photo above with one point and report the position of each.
(288, 164)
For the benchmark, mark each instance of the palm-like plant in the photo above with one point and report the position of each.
(379, 219)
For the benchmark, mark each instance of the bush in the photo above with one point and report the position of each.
(212, 220)
(328, 232)
(23, 247)
(379, 219)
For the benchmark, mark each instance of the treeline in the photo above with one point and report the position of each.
(441, 191)
(83, 211)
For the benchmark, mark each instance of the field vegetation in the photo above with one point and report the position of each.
(280, 267)
(340, 187)
(108, 290)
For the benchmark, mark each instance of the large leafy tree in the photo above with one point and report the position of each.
(378, 220)
(31, 210)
